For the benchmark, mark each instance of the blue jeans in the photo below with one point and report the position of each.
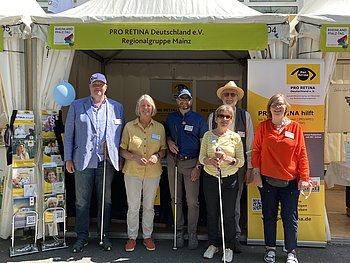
(85, 181)
(288, 196)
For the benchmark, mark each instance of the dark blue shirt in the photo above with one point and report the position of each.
(186, 131)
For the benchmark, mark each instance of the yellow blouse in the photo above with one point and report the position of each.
(143, 142)
(230, 144)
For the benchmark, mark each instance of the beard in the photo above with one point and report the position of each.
(185, 107)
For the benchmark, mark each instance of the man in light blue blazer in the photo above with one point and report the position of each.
(91, 123)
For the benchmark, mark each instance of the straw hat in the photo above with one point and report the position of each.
(231, 85)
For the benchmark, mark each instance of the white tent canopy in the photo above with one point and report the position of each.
(15, 17)
(15, 12)
(186, 11)
(325, 12)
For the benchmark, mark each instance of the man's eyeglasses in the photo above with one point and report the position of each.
(232, 94)
(184, 98)
(223, 116)
(97, 85)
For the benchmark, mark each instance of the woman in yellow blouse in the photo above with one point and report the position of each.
(221, 148)
(142, 145)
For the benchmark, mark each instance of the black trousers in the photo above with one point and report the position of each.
(229, 190)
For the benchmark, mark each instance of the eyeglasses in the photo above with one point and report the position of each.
(184, 98)
(222, 116)
(98, 85)
(232, 94)
(276, 104)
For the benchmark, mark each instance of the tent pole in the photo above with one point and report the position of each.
(29, 75)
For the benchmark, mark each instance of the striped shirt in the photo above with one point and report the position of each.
(230, 144)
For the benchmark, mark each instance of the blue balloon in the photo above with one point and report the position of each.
(64, 93)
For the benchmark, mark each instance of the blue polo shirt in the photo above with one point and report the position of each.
(186, 131)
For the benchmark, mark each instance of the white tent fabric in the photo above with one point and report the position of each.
(325, 12)
(307, 32)
(52, 67)
(185, 11)
(14, 12)
(15, 17)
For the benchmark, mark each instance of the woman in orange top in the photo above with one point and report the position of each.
(280, 170)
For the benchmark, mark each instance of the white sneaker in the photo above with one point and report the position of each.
(292, 258)
(211, 250)
(228, 255)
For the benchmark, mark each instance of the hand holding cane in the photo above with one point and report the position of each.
(218, 154)
(103, 190)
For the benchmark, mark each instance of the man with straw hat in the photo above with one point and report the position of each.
(230, 94)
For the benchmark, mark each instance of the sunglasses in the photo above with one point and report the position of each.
(227, 94)
(182, 98)
(222, 116)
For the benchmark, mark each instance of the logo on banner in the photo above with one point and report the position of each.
(64, 35)
(303, 74)
(337, 37)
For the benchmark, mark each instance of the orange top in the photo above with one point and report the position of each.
(280, 155)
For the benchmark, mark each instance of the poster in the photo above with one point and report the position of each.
(22, 206)
(206, 99)
(164, 94)
(23, 143)
(53, 175)
(301, 81)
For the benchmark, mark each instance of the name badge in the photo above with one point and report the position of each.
(117, 121)
(289, 135)
(156, 136)
(188, 128)
(241, 133)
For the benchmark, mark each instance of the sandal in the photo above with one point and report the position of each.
(79, 245)
(270, 255)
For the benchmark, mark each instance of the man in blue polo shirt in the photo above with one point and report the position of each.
(185, 130)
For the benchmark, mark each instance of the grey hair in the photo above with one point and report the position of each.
(224, 108)
(149, 99)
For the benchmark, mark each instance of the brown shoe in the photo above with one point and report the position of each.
(149, 244)
(130, 245)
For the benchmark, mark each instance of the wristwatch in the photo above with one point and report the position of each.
(198, 166)
(157, 154)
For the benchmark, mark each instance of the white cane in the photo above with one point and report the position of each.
(218, 149)
(175, 192)
(103, 191)
(175, 203)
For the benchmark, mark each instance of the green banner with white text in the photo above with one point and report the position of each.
(158, 36)
(335, 38)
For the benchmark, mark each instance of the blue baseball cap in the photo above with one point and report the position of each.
(98, 76)
(184, 92)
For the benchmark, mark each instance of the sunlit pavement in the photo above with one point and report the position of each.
(164, 253)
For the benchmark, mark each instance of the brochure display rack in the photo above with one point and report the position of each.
(54, 208)
(24, 186)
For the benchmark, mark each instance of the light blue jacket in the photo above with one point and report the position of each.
(79, 134)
